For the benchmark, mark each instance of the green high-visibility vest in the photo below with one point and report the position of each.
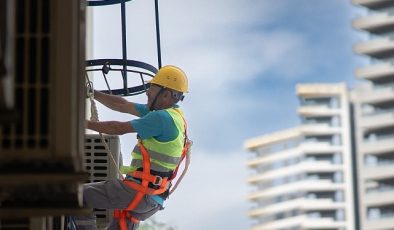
(164, 156)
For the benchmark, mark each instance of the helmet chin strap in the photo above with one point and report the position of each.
(152, 106)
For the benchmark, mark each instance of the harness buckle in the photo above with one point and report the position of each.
(158, 180)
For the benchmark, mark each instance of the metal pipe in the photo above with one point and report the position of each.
(158, 33)
(124, 47)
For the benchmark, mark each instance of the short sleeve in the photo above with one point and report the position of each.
(142, 109)
(156, 124)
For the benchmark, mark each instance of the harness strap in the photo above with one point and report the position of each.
(184, 150)
(146, 178)
(162, 182)
(180, 161)
(140, 194)
(145, 182)
(148, 190)
(122, 215)
(185, 155)
(156, 180)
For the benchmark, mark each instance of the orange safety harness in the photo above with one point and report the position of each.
(145, 176)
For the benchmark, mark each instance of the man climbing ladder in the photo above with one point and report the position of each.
(162, 145)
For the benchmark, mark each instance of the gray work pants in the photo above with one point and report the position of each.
(114, 194)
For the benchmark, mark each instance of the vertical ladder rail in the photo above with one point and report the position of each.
(124, 47)
(158, 33)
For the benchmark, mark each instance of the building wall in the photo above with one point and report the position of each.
(303, 175)
(374, 115)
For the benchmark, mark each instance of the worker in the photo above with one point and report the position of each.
(161, 132)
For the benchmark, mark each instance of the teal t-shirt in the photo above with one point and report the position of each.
(157, 124)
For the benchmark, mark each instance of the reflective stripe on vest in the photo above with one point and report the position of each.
(158, 156)
(164, 156)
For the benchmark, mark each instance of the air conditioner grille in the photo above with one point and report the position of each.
(15, 224)
(100, 166)
(31, 81)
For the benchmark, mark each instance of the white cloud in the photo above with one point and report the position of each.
(222, 41)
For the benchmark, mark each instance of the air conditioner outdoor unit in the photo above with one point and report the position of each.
(101, 166)
(41, 147)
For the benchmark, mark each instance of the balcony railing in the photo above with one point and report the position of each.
(318, 110)
(375, 23)
(372, 4)
(375, 94)
(375, 71)
(378, 146)
(377, 119)
(377, 48)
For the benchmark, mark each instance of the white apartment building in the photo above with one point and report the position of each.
(374, 115)
(303, 175)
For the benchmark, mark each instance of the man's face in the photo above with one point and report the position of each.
(151, 93)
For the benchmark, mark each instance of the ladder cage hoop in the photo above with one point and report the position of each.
(139, 72)
(95, 3)
(104, 2)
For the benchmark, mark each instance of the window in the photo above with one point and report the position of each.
(335, 103)
(339, 196)
(340, 215)
(373, 213)
(338, 177)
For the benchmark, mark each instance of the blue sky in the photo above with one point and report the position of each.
(243, 60)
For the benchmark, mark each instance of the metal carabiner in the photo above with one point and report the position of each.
(89, 89)
(158, 180)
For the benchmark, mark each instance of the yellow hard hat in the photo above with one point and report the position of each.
(171, 77)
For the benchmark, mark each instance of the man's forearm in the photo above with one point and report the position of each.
(110, 127)
(110, 101)
(116, 103)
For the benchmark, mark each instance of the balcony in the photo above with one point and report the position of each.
(319, 90)
(378, 172)
(303, 221)
(295, 170)
(379, 224)
(317, 111)
(373, 4)
(319, 148)
(321, 204)
(286, 223)
(376, 23)
(284, 137)
(378, 146)
(320, 185)
(278, 207)
(379, 198)
(304, 148)
(323, 223)
(377, 48)
(282, 155)
(319, 129)
(378, 120)
(299, 204)
(376, 71)
(373, 96)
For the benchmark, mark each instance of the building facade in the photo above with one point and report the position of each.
(303, 176)
(374, 115)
